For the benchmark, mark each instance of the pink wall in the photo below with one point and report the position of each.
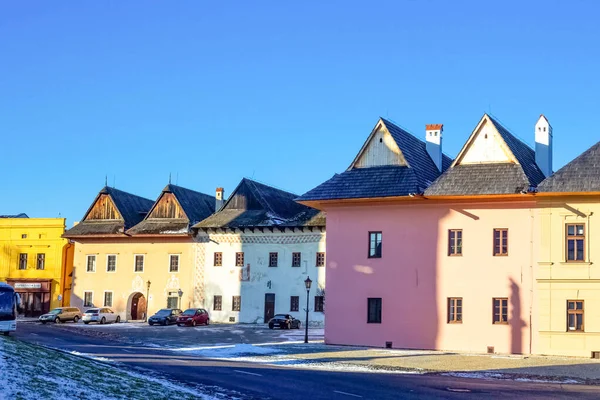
(415, 276)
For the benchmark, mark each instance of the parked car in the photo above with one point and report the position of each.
(166, 316)
(284, 321)
(193, 317)
(100, 315)
(61, 314)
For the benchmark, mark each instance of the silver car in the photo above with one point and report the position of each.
(102, 315)
(61, 314)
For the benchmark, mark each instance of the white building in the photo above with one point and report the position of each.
(255, 253)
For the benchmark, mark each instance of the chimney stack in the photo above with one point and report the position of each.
(219, 196)
(433, 142)
(543, 145)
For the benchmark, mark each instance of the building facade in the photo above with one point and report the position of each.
(258, 250)
(431, 253)
(36, 261)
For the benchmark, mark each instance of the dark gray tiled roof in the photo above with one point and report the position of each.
(384, 181)
(197, 206)
(476, 179)
(131, 207)
(580, 175)
(21, 215)
(253, 204)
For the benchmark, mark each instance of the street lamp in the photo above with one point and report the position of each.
(147, 300)
(307, 283)
(180, 293)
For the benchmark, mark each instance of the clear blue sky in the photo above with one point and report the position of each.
(285, 92)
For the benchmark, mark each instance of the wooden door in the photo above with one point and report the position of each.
(269, 306)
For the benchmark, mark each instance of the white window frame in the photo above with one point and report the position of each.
(87, 262)
(91, 301)
(143, 263)
(116, 263)
(178, 263)
(112, 298)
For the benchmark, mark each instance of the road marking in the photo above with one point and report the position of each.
(459, 390)
(244, 372)
(34, 334)
(347, 394)
(127, 351)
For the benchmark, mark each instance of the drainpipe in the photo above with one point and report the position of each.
(63, 271)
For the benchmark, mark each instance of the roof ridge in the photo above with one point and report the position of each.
(269, 186)
(507, 130)
(259, 196)
(398, 126)
(581, 155)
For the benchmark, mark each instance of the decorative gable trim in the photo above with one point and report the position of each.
(485, 122)
(380, 149)
(103, 209)
(167, 207)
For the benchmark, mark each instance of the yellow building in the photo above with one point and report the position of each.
(568, 278)
(137, 256)
(36, 261)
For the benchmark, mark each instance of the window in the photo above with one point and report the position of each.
(455, 310)
(174, 263)
(455, 242)
(108, 296)
(237, 303)
(575, 242)
(374, 244)
(91, 263)
(218, 260)
(320, 259)
(500, 242)
(41, 261)
(500, 311)
(24, 236)
(138, 263)
(296, 259)
(87, 299)
(294, 303)
(111, 263)
(374, 310)
(319, 304)
(239, 259)
(173, 300)
(23, 261)
(574, 315)
(218, 303)
(273, 259)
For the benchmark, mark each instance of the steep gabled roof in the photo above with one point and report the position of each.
(579, 176)
(387, 180)
(196, 206)
(131, 208)
(253, 204)
(490, 178)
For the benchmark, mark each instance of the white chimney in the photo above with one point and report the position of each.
(433, 141)
(543, 145)
(219, 196)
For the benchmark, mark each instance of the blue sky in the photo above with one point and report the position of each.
(285, 92)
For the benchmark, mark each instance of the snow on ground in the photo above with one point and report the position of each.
(494, 375)
(227, 351)
(32, 372)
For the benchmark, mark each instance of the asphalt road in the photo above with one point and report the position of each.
(257, 381)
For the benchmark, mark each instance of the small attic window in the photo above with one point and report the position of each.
(544, 129)
(380, 140)
(485, 136)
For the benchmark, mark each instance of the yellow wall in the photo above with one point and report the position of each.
(559, 280)
(125, 281)
(43, 235)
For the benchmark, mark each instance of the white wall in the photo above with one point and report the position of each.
(284, 280)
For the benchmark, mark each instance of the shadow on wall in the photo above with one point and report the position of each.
(515, 321)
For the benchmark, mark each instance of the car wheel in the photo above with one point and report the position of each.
(270, 326)
(86, 322)
(151, 323)
(102, 321)
(207, 321)
(179, 325)
(298, 325)
(43, 322)
(76, 319)
(57, 320)
(193, 322)
(118, 320)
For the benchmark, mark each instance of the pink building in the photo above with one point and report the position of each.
(428, 253)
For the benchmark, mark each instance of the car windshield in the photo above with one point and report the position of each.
(163, 313)
(191, 311)
(55, 311)
(280, 316)
(6, 302)
(92, 311)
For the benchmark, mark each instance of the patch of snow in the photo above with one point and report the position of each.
(489, 376)
(227, 350)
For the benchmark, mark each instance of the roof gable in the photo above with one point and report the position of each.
(578, 176)
(167, 206)
(485, 145)
(103, 209)
(380, 149)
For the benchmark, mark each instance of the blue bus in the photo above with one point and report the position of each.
(9, 301)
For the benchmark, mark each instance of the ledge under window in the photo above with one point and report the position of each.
(576, 263)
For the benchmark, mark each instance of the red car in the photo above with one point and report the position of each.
(193, 317)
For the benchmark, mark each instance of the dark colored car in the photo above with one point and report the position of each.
(166, 316)
(284, 321)
(193, 317)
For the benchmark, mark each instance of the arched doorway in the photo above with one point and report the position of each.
(136, 308)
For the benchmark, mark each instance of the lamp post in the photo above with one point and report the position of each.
(147, 299)
(307, 283)
(180, 293)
